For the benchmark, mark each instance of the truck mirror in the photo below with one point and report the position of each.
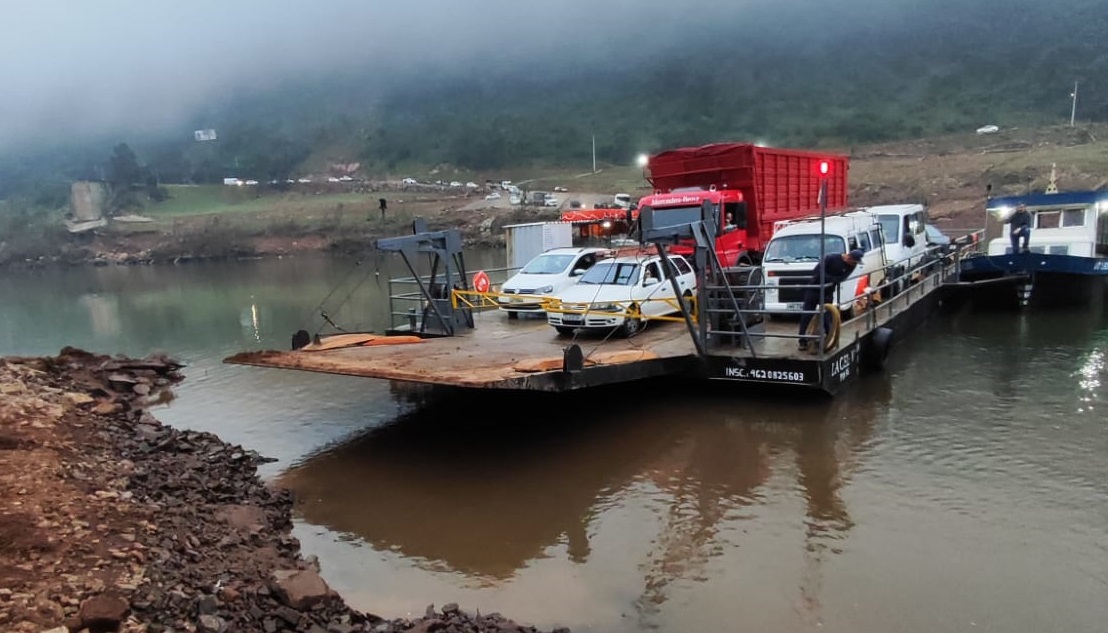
(909, 241)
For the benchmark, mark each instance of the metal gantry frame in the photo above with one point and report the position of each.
(444, 248)
(707, 266)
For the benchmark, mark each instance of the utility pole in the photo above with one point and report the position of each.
(594, 153)
(1073, 108)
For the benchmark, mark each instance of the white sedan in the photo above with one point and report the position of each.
(621, 293)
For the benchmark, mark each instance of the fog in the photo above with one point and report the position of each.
(73, 69)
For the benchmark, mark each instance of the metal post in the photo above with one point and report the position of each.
(594, 153)
(1073, 108)
(822, 271)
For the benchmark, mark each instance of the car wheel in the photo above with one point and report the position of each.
(513, 315)
(632, 324)
(563, 330)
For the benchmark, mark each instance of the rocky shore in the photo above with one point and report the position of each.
(111, 521)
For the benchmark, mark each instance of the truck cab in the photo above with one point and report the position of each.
(684, 207)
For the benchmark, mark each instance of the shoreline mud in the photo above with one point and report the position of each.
(112, 521)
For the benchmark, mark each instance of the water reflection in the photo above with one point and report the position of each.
(701, 461)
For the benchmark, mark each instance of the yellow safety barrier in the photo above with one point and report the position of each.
(488, 300)
(627, 308)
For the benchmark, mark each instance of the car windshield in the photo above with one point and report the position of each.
(890, 227)
(801, 248)
(619, 274)
(547, 265)
(934, 234)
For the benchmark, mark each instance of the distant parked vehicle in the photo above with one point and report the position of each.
(409, 181)
(988, 129)
(493, 196)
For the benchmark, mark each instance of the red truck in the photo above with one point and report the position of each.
(754, 187)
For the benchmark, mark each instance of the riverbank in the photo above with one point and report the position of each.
(216, 237)
(114, 521)
(204, 222)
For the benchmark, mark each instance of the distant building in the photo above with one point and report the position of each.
(86, 204)
(204, 135)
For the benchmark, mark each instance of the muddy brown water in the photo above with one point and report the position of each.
(962, 490)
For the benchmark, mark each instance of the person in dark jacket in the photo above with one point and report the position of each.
(836, 268)
(1020, 223)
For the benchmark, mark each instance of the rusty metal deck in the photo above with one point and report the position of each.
(500, 354)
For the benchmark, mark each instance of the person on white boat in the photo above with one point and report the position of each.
(1021, 228)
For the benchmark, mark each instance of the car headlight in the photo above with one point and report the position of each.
(606, 307)
(545, 290)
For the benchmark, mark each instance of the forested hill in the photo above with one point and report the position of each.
(805, 76)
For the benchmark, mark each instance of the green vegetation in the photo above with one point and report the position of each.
(820, 77)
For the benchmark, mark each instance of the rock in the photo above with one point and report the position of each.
(211, 624)
(105, 408)
(299, 588)
(288, 615)
(207, 605)
(104, 612)
(450, 607)
(74, 398)
(427, 626)
(57, 629)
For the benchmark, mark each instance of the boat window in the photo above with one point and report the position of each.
(1047, 219)
(1102, 234)
(1073, 217)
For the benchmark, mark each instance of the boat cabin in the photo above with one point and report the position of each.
(1074, 224)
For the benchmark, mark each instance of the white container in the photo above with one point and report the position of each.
(525, 241)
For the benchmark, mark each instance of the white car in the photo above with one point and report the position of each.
(620, 292)
(409, 181)
(548, 273)
(493, 196)
(471, 185)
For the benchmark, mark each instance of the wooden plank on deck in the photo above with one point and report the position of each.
(498, 353)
